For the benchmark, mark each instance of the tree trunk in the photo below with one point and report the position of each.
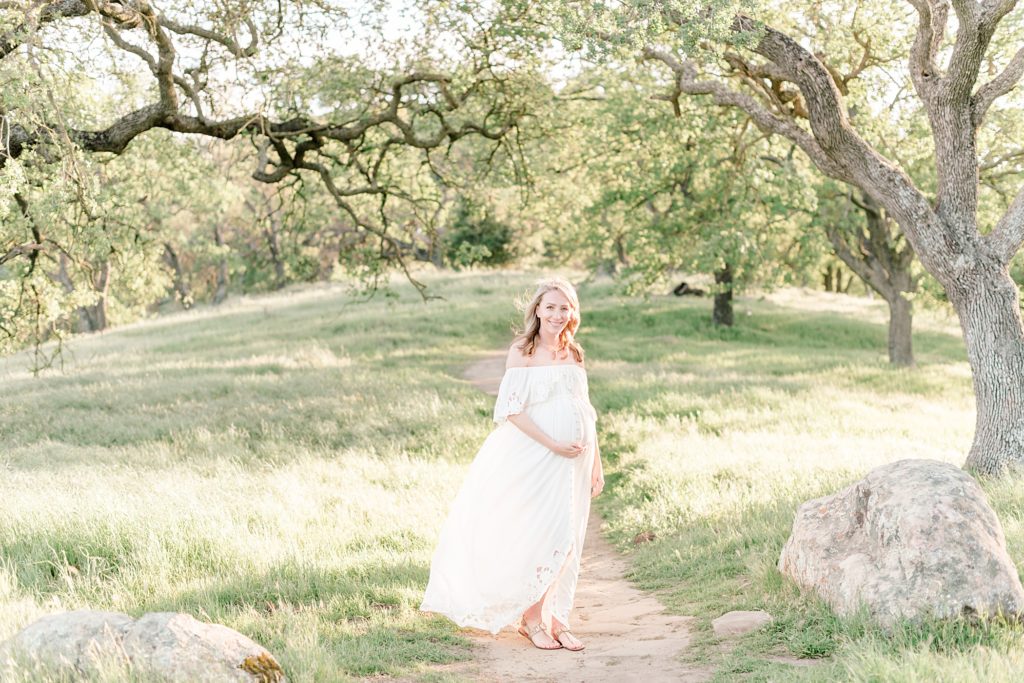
(81, 321)
(96, 315)
(272, 233)
(846, 288)
(180, 278)
(882, 260)
(901, 341)
(990, 318)
(328, 260)
(221, 292)
(722, 314)
(832, 279)
(275, 257)
(436, 250)
(620, 251)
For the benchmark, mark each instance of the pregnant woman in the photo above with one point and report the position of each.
(509, 551)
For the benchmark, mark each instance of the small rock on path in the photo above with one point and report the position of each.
(739, 622)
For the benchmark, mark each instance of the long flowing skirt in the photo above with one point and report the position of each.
(517, 526)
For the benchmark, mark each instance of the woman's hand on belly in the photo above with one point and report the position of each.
(568, 449)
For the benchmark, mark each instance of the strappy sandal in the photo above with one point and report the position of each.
(557, 635)
(529, 632)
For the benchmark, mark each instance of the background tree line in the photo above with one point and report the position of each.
(192, 151)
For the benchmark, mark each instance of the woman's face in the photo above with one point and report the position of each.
(554, 311)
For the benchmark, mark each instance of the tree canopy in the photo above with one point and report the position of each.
(85, 80)
(153, 151)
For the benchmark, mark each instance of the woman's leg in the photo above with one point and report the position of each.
(561, 602)
(534, 615)
(564, 589)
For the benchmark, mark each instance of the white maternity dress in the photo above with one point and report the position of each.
(517, 525)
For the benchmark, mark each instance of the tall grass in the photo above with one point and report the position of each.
(718, 435)
(282, 465)
(279, 465)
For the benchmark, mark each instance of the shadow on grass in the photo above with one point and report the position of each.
(769, 326)
(361, 620)
(243, 413)
(678, 365)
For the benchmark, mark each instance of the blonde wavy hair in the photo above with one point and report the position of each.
(527, 340)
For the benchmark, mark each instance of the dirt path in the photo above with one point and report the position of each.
(628, 635)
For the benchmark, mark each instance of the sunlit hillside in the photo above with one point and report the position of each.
(282, 465)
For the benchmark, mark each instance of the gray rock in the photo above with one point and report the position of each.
(913, 539)
(162, 646)
(739, 622)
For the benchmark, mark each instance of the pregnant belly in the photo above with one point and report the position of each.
(564, 419)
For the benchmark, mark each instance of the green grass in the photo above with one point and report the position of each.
(279, 466)
(282, 465)
(716, 436)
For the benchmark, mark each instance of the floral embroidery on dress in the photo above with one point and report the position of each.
(492, 617)
(513, 396)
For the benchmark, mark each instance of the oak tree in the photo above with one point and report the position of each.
(961, 58)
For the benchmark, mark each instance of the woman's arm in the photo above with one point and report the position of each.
(530, 428)
(597, 474)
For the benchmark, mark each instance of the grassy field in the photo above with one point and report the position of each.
(282, 465)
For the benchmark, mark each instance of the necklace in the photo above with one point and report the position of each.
(554, 351)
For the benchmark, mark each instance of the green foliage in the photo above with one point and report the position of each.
(627, 26)
(657, 194)
(170, 220)
(477, 237)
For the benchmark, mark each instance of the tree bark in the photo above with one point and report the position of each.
(273, 243)
(846, 288)
(221, 292)
(620, 251)
(990, 319)
(832, 280)
(96, 314)
(901, 342)
(722, 313)
(180, 278)
(882, 259)
(436, 249)
(80, 323)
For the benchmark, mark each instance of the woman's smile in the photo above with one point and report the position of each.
(554, 311)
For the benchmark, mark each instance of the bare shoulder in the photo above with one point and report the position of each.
(515, 358)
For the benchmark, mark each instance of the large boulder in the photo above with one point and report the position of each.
(160, 646)
(913, 539)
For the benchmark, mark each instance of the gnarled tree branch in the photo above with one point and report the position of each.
(859, 163)
(996, 88)
(687, 82)
(931, 28)
(1007, 237)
